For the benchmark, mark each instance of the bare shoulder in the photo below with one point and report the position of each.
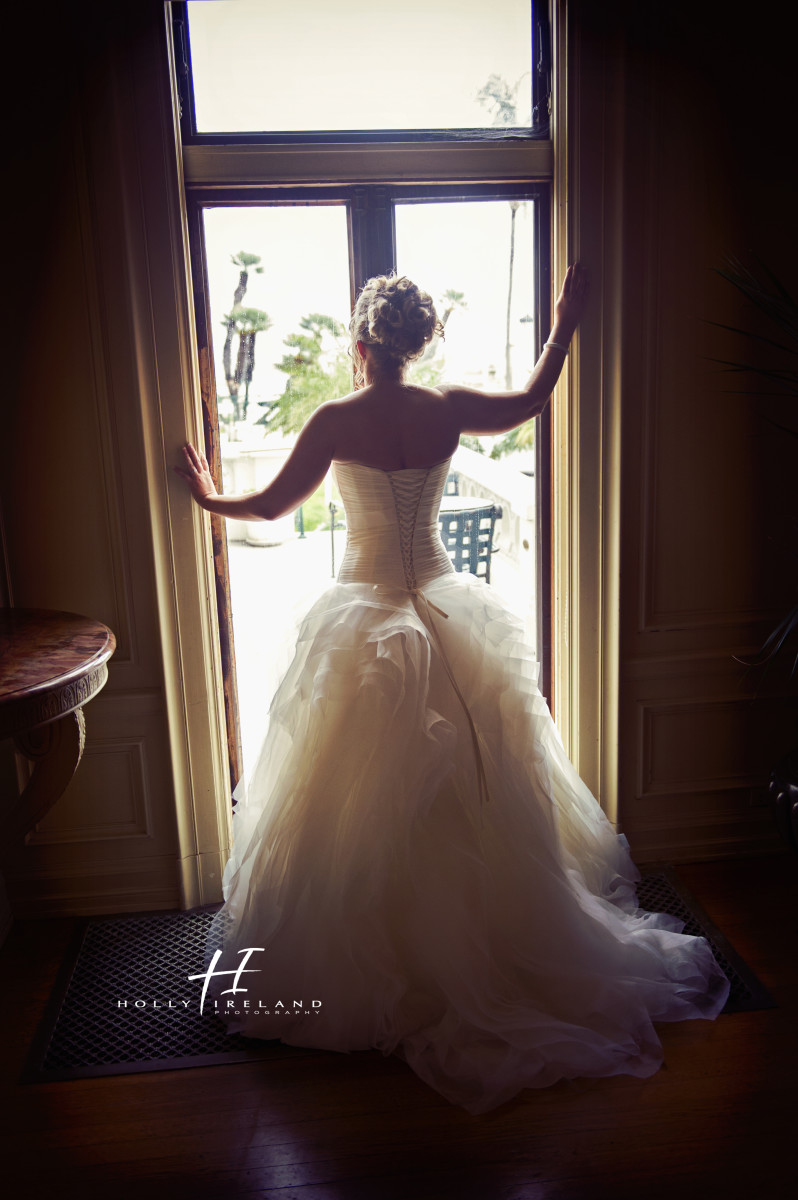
(339, 401)
(331, 424)
(433, 397)
(331, 412)
(342, 408)
(321, 426)
(456, 392)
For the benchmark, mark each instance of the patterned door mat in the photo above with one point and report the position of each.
(123, 1002)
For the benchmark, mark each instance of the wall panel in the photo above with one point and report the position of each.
(708, 510)
(74, 499)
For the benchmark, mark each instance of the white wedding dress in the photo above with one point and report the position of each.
(415, 852)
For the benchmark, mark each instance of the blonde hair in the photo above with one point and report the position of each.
(396, 318)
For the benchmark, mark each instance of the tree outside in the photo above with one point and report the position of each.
(318, 368)
(245, 324)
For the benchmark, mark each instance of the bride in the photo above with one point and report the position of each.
(417, 866)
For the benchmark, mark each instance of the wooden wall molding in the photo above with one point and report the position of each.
(655, 542)
(99, 305)
(586, 415)
(156, 242)
(677, 238)
(77, 534)
(696, 746)
(676, 842)
(115, 802)
(54, 890)
(116, 816)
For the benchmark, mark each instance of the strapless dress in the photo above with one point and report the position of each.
(417, 866)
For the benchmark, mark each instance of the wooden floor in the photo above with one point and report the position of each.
(719, 1120)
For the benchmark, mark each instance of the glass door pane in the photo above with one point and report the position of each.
(272, 319)
(278, 300)
(479, 261)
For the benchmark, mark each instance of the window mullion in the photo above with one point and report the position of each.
(373, 234)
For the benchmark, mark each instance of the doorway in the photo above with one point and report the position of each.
(276, 272)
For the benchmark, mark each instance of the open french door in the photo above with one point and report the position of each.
(276, 271)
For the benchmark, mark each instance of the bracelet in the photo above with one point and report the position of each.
(555, 346)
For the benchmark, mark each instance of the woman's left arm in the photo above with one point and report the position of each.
(305, 469)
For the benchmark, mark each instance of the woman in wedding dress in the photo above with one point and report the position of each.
(417, 866)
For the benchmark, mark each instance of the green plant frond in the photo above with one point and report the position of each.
(784, 428)
(307, 348)
(776, 640)
(520, 438)
(317, 322)
(743, 366)
(778, 308)
(251, 320)
(786, 378)
(757, 392)
(779, 286)
(245, 261)
(471, 443)
(318, 369)
(757, 337)
(744, 278)
(246, 317)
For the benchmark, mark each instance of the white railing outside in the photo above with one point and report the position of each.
(248, 467)
(498, 482)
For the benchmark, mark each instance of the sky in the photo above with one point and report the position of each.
(363, 64)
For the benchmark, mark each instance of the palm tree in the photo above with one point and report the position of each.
(449, 302)
(508, 368)
(246, 330)
(503, 99)
(248, 323)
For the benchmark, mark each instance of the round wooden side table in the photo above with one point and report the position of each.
(51, 664)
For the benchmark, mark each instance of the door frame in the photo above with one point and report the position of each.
(371, 229)
(585, 480)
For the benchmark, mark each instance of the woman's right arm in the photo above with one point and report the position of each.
(498, 412)
(304, 470)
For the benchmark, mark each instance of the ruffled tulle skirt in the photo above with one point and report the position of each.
(493, 945)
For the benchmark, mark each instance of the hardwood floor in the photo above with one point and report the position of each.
(717, 1121)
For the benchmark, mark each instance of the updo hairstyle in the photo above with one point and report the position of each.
(396, 318)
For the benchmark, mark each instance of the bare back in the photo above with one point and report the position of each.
(393, 426)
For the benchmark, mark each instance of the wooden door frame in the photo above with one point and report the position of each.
(372, 250)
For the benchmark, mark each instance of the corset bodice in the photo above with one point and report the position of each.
(392, 525)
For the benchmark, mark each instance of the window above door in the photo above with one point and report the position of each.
(257, 72)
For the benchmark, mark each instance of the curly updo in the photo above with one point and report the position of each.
(396, 318)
